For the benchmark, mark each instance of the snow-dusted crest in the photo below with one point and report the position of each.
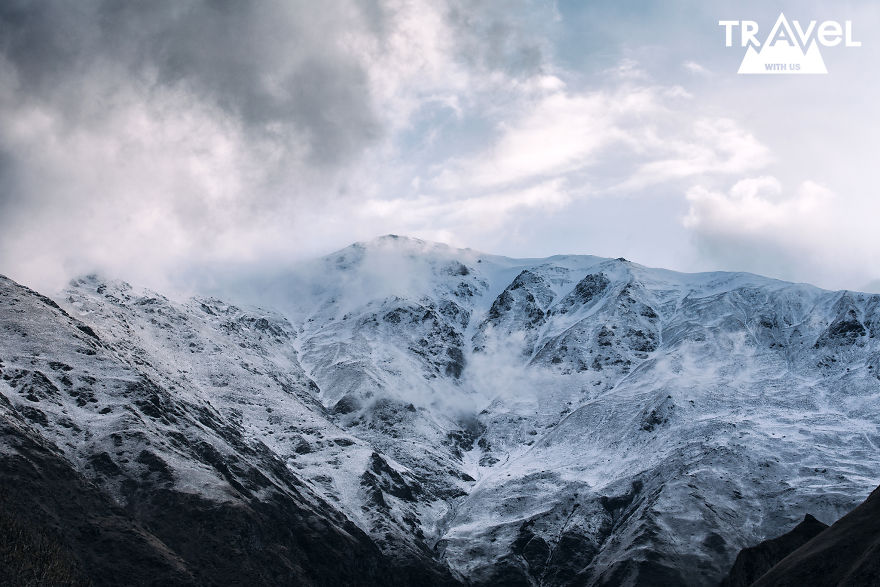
(568, 420)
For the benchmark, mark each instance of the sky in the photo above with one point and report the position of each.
(167, 142)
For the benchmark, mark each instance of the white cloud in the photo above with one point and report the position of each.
(557, 134)
(704, 146)
(758, 206)
(111, 198)
(646, 134)
(628, 69)
(808, 234)
(465, 216)
(696, 69)
(413, 62)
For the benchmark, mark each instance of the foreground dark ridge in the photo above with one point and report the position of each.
(444, 414)
(755, 561)
(846, 554)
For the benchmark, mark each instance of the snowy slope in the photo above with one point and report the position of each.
(569, 420)
(125, 405)
(246, 364)
(646, 420)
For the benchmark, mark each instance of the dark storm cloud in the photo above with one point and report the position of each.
(147, 138)
(274, 66)
(152, 135)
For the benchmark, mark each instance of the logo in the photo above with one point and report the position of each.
(790, 48)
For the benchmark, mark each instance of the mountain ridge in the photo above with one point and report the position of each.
(568, 420)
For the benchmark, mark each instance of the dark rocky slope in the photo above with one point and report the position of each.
(753, 562)
(846, 554)
(61, 529)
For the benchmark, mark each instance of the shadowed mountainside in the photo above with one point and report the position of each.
(847, 554)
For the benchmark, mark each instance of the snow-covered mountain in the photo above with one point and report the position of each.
(462, 416)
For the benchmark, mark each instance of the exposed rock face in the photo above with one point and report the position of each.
(412, 413)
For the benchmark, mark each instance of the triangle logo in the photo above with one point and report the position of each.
(783, 58)
(791, 47)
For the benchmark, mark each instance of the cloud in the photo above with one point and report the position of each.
(275, 67)
(628, 69)
(156, 140)
(759, 226)
(557, 134)
(155, 137)
(757, 205)
(696, 69)
(465, 216)
(698, 147)
(150, 139)
(627, 136)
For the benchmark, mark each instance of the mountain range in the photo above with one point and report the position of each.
(402, 412)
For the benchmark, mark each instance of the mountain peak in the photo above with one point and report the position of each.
(525, 415)
(405, 243)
